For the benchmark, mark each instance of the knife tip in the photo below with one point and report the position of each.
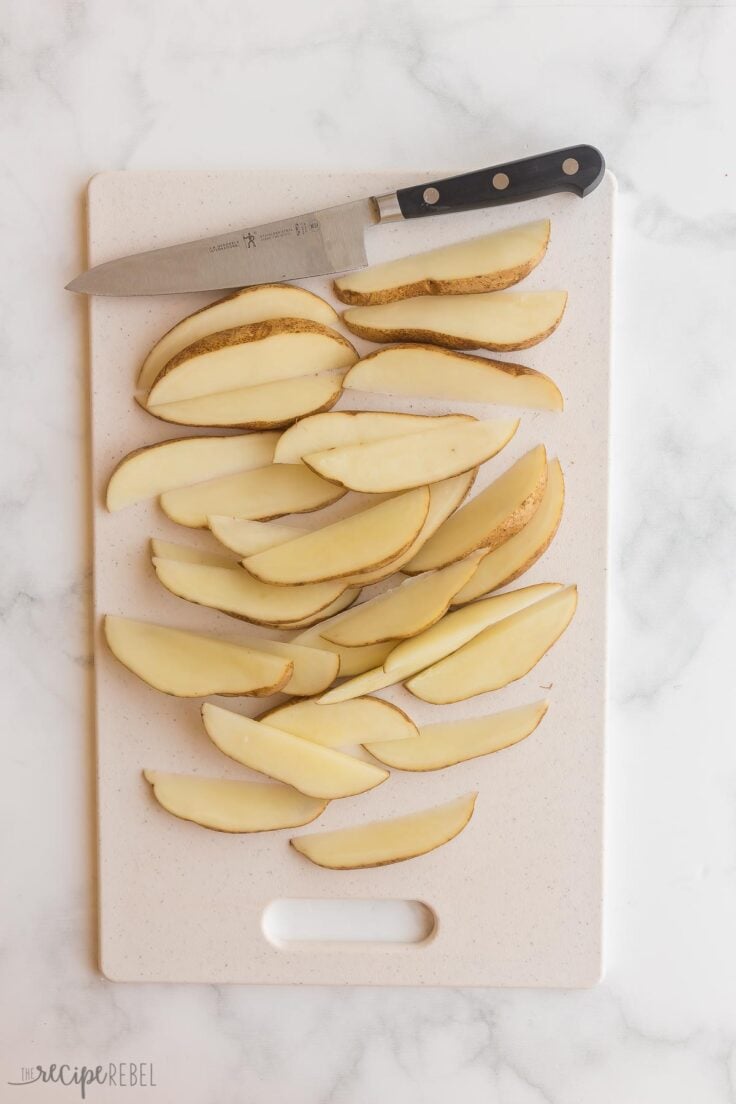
(77, 284)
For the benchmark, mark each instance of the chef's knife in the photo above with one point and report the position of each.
(331, 240)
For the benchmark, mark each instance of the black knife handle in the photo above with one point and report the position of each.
(577, 169)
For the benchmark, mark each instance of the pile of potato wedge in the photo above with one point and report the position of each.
(270, 360)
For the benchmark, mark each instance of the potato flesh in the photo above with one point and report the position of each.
(345, 600)
(489, 519)
(439, 640)
(362, 542)
(227, 805)
(353, 661)
(190, 665)
(171, 464)
(183, 553)
(437, 373)
(387, 841)
(253, 304)
(259, 407)
(489, 263)
(314, 669)
(498, 320)
(399, 463)
(263, 493)
(339, 427)
(499, 655)
(505, 564)
(311, 769)
(367, 682)
(350, 722)
(402, 612)
(236, 358)
(248, 537)
(443, 745)
(444, 497)
(234, 591)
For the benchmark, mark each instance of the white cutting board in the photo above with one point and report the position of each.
(517, 896)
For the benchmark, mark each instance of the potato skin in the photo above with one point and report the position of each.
(447, 341)
(531, 560)
(251, 331)
(240, 335)
(463, 285)
(237, 294)
(508, 528)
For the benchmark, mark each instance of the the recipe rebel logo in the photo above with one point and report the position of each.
(119, 1075)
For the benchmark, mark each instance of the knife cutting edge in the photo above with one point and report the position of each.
(332, 240)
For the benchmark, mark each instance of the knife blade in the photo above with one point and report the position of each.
(332, 240)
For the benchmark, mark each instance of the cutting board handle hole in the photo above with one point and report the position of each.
(291, 922)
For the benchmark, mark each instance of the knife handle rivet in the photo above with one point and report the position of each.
(570, 166)
(430, 195)
(500, 181)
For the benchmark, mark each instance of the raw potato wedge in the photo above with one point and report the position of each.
(402, 612)
(500, 654)
(443, 745)
(512, 559)
(251, 304)
(387, 841)
(148, 472)
(489, 519)
(234, 591)
(248, 356)
(488, 263)
(314, 669)
(436, 373)
(353, 661)
(190, 665)
(498, 320)
(233, 806)
(257, 495)
(311, 769)
(399, 463)
(261, 407)
(352, 427)
(362, 542)
(183, 553)
(248, 537)
(441, 639)
(353, 722)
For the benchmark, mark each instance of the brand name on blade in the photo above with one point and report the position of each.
(248, 239)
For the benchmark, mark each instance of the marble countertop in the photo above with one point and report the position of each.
(91, 85)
